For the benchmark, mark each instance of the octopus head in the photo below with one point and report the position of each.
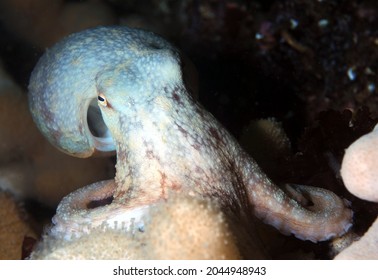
(130, 90)
(126, 65)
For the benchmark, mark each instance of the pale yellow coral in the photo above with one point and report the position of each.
(182, 228)
(266, 141)
(189, 228)
(13, 228)
(360, 175)
(99, 245)
(359, 168)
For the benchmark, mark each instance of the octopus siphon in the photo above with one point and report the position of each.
(122, 90)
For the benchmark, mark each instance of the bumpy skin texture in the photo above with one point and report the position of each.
(165, 141)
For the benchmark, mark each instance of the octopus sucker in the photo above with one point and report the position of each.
(156, 127)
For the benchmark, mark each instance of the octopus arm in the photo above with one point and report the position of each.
(309, 213)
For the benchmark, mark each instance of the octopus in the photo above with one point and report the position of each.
(122, 90)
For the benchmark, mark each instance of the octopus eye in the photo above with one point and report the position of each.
(102, 100)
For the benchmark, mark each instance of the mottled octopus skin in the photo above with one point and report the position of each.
(165, 140)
